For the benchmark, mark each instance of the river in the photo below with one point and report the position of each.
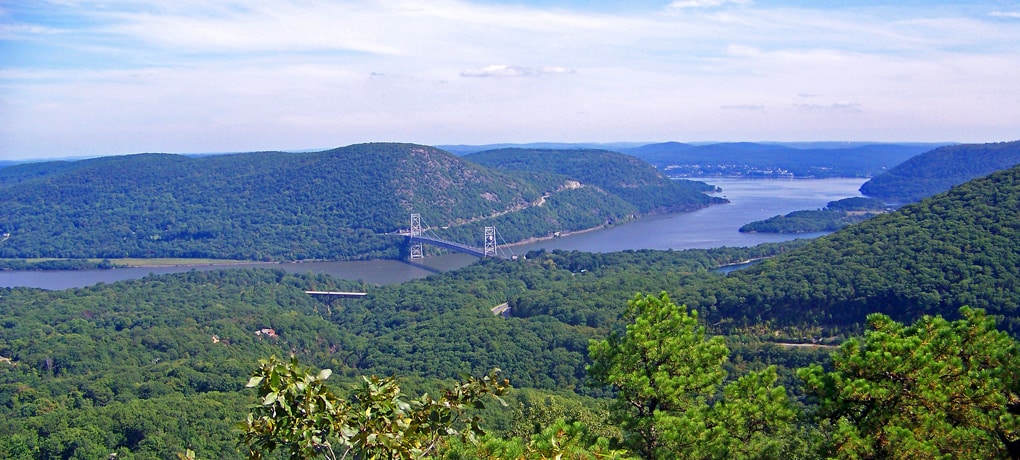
(715, 226)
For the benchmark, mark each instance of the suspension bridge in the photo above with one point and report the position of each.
(420, 235)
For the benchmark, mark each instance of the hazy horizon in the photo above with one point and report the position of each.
(85, 78)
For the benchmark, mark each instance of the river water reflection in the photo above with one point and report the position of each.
(715, 226)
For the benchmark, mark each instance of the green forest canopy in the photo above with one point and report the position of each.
(344, 203)
(151, 367)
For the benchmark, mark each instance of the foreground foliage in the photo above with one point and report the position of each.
(298, 414)
(666, 374)
(934, 389)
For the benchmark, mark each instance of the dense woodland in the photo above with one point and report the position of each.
(153, 367)
(834, 216)
(746, 159)
(940, 169)
(344, 203)
(957, 248)
(89, 368)
(596, 348)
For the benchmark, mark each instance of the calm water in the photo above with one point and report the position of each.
(715, 226)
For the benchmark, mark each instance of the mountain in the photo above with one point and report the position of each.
(148, 368)
(775, 160)
(343, 203)
(960, 247)
(938, 170)
(622, 175)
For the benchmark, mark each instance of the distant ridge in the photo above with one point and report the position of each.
(939, 169)
(749, 159)
(462, 149)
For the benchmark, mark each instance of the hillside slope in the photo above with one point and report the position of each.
(625, 176)
(957, 248)
(335, 204)
(938, 170)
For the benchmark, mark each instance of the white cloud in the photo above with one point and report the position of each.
(1006, 14)
(750, 107)
(215, 75)
(683, 4)
(21, 31)
(555, 70)
(502, 70)
(843, 106)
(498, 71)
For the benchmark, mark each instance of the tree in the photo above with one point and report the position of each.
(299, 414)
(666, 372)
(936, 389)
(559, 440)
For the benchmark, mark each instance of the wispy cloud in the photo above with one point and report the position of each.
(501, 70)
(749, 107)
(229, 75)
(1005, 14)
(840, 106)
(682, 4)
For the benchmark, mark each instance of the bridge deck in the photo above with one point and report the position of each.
(337, 294)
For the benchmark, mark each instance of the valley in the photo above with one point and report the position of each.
(156, 366)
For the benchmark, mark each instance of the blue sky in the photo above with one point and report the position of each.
(104, 77)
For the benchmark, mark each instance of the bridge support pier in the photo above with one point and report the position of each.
(417, 238)
(417, 248)
(490, 242)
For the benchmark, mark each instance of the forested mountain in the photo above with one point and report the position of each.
(335, 204)
(774, 160)
(957, 248)
(150, 367)
(938, 170)
(627, 177)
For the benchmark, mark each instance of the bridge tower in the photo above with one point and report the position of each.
(417, 248)
(490, 242)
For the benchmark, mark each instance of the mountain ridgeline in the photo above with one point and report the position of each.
(344, 203)
(627, 177)
(939, 169)
(747, 159)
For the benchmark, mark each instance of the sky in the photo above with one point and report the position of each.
(111, 77)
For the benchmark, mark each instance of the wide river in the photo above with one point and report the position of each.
(715, 226)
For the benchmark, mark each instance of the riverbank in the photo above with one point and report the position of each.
(52, 263)
(714, 226)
